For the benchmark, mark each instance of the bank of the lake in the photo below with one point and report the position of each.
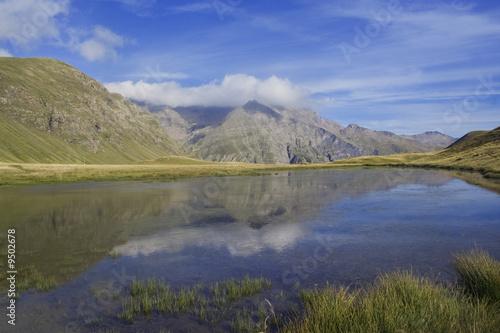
(170, 168)
(173, 168)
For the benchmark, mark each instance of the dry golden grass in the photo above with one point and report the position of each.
(179, 167)
(175, 167)
(487, 164)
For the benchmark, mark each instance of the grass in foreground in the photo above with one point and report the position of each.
(209, 304)
(479, 275)
(27, 278)
(403, 302)
(30, 278)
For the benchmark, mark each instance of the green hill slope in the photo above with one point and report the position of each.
(467, 137)
(51, 112)
(479, 151)
(476, 139)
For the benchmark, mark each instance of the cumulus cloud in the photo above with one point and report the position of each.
(234, 90)
(4, 53)
(98, 44)
(24, 22)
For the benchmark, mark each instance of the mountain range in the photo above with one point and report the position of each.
(51, 112)
(258, 133)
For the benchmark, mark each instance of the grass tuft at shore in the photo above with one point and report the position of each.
(30, 278)
(155, 296)
(479, 274)
(404, 302)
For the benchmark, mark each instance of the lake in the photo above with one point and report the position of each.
(299, 229)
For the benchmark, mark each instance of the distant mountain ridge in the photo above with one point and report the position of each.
(51, 112)
(258, 133)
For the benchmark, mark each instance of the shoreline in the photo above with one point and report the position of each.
(16, 174)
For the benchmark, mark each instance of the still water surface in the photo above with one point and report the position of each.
(299, 229)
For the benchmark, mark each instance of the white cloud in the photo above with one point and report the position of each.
(234, 90)
(98, 44)
(4, 53)
(24, 22)
(93, 50)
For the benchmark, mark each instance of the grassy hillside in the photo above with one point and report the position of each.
(479, 151)
(51, 112)
(466, 137)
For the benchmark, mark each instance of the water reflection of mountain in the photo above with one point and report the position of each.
(248, 215)
(289, 196)
(65, 229)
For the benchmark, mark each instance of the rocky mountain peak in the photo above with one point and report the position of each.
(253, 107)
(293, 135)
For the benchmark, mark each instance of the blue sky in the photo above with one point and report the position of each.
(406, 66)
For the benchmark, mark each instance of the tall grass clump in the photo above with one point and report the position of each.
(479, 274)
(30, 277)
(397, 302)
(154, 295)
(236, 289)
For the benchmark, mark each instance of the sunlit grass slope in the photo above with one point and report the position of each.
(479, 151)
(51, 112)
